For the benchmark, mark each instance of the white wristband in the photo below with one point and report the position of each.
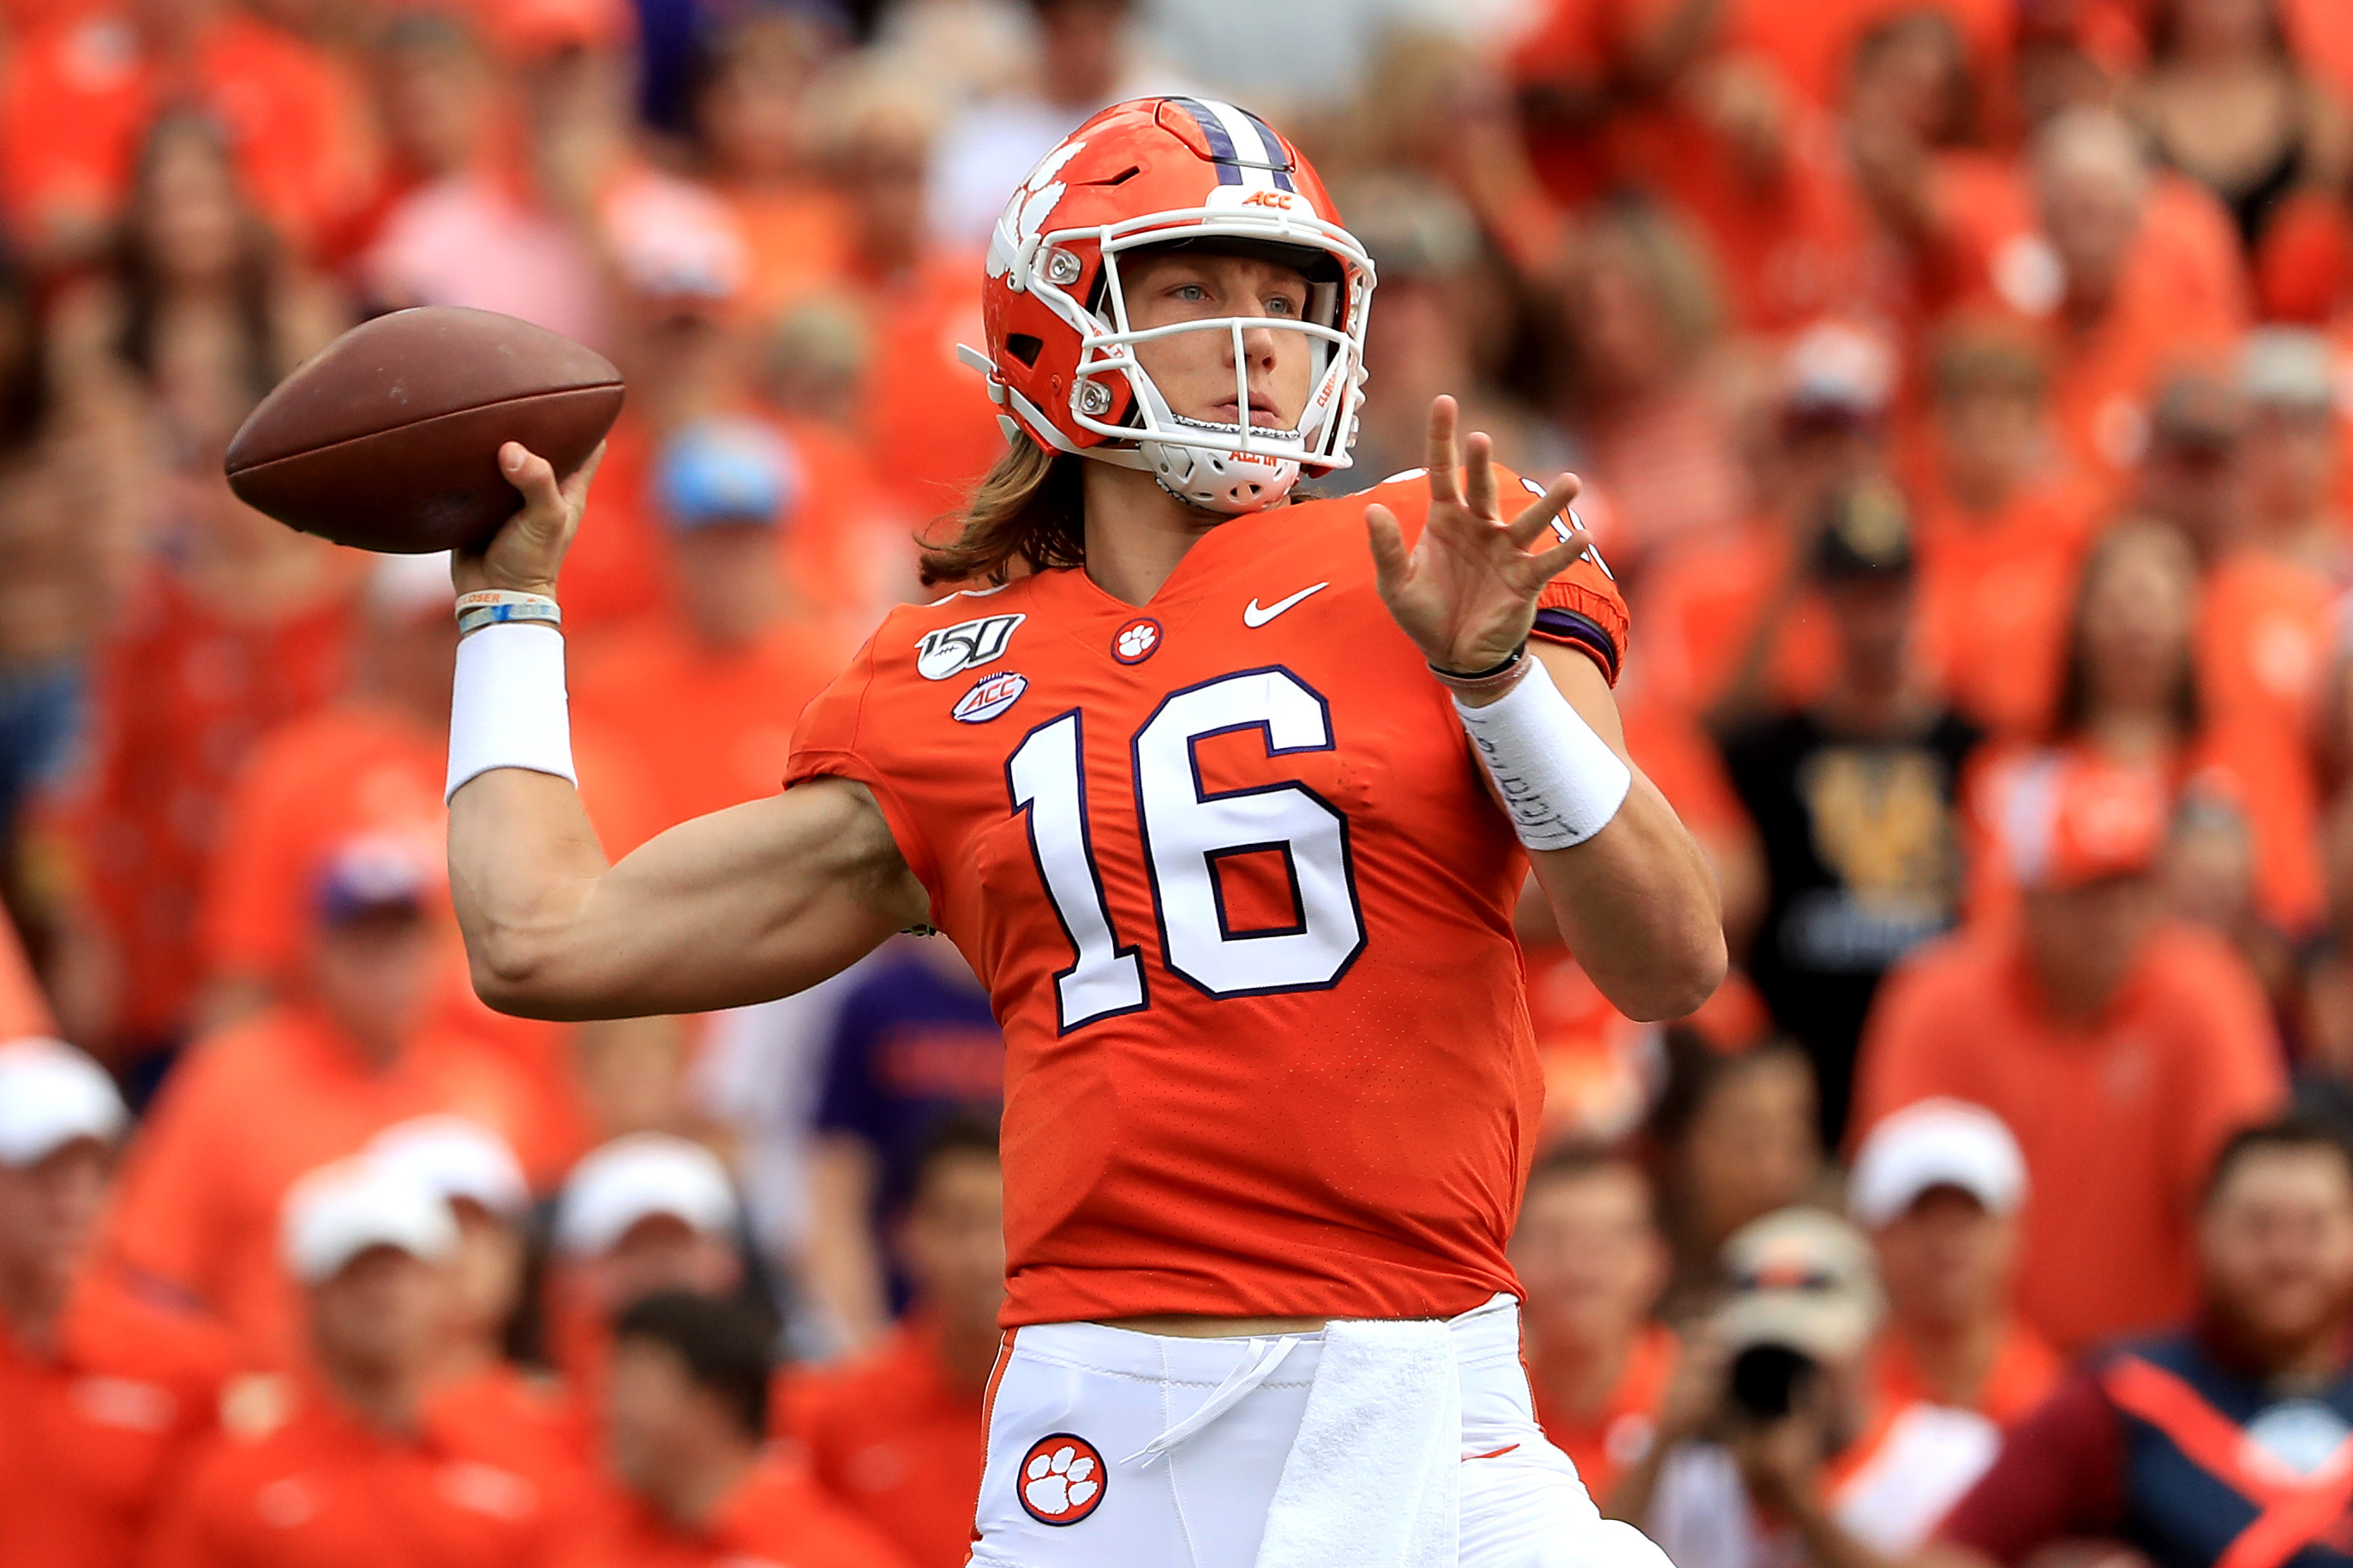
(508, 708)
(1561, 784)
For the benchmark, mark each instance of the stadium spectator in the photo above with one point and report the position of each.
(2294, 450)
(2225, 102)
(350, 1051)
(200, 306)
(1787, 1452)
(1737, 1140)
(2120, 1050)
(360, 1470)
(1854, 800)
(2126, 296)
(1938, 1186)
(2130, 693)
(1592, 1264)
(1088, 58)
(1655, 398)
(1730, 623)
(898, 1436)
(2002, 523)
(2209, 1443)
(686, 1414)
(473, 1382)
(645, 1212)
(71, 499)
(913, 1046)
(84, 90)
(107, 1392)
(708, 701)
(748, 94)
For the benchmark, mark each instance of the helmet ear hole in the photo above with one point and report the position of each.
(1025, 347)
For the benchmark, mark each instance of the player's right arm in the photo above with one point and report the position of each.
(745, 904)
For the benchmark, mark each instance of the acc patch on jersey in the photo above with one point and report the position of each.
(1061, 1478)
(990, 695)
(968, 644)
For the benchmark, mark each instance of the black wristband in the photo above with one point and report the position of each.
(1489, 673)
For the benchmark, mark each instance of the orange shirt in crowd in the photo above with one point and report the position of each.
(798, 239)
(1606, 1441)
(1996, 593)
(2321, 32)
(2025, 1369)
(80, 93)
(2181, 301)
(2118, 1118)
(322, 1489)
(93, 1434)
(246, 1113)
(895, 1442)
(713, 727)
(532, 1424)
(774, 1515)
(182, 695)
(2266, 634)
(1702, 606)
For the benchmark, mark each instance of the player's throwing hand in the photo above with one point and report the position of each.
(526, 552)
(1466, 593)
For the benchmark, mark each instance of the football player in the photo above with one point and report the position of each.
(1226, 798)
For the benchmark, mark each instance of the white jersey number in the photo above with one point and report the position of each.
(1187, 830)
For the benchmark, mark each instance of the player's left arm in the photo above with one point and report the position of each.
(1631, 891)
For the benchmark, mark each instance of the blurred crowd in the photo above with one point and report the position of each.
(1962, 391)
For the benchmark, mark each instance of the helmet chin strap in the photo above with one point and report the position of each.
(1229, 482)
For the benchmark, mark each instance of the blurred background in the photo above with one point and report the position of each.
(1961, 388)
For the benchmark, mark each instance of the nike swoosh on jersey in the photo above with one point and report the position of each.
(1254, 617)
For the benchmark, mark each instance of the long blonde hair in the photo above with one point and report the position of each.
(1025, 515)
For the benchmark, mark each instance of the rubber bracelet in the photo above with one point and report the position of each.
(475, 618)
(1560, 783)
(507, 707)
(480, 597)
(1487, 682)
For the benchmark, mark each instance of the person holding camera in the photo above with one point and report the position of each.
(1775, 1450)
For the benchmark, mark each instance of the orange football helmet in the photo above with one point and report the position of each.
(1060, 358)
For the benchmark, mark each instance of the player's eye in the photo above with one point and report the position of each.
(1190, 292)
(1281, 305)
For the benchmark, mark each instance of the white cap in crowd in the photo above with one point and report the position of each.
(1935, 1143)
(636, 1178)
(339, 1211)
(1799, 1277)
(50, 1095)
(457, 1159)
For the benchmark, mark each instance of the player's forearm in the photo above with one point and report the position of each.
(1637, 902)
(1637, 905)
(523, 865)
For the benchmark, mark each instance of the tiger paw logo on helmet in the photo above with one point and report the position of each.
(1062, 1479)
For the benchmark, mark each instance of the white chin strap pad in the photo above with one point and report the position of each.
(1221, 481)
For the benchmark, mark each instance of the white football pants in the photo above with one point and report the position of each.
(1075, 1405)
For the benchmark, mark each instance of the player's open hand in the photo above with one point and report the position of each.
(525, 552)
(1466, 593)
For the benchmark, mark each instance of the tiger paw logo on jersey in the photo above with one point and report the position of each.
(1061, 1478)
(1136, 641)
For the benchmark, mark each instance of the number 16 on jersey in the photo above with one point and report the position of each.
(1184, 829)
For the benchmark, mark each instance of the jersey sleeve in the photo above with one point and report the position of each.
(838, 736)
(1582, 607)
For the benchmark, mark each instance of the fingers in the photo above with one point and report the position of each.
(1532, 524)
(531, 474)
(1441, 462)
(1478, 476)
(1388, 541)
(1561, 556)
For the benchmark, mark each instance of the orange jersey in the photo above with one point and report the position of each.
(1242, 902)
(892, 1438)
(96, 1430)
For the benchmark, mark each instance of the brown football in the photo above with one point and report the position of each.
(388, 437)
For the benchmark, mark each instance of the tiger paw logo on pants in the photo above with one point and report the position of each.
(1061, 1478)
